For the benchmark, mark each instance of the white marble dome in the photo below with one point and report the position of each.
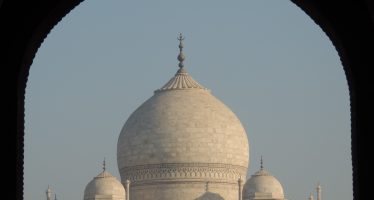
(262, 185)
(183, 133)
(182, 126)
(183, 143)
(104, 187)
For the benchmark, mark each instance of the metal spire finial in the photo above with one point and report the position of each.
(181, 56)
(55, 197)
(262, 164)
(104, 164)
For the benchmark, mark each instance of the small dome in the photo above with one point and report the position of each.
(104, 186)
(262, 185)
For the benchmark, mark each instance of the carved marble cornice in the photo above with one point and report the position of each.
(182, 172)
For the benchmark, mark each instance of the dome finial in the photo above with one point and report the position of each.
(262, 164)
(104, 164)
(181, 55)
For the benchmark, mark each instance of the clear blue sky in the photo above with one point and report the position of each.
(266, 60)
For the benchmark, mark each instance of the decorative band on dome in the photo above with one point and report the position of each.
(217, 172)
(181, 81)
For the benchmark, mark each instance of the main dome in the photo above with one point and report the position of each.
(180, 139)
(182, 125)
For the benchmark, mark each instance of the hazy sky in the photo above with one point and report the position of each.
(266, 60)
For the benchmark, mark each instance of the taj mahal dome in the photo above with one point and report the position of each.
(180, 140)
(183, 144)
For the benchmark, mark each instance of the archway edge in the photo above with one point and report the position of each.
(348, 24)
(350, 27)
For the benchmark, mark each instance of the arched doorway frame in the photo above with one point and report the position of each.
(349, 25)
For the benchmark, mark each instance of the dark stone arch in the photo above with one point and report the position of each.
(24, 26)
(349, 25)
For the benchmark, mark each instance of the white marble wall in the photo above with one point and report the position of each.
(185, 191)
